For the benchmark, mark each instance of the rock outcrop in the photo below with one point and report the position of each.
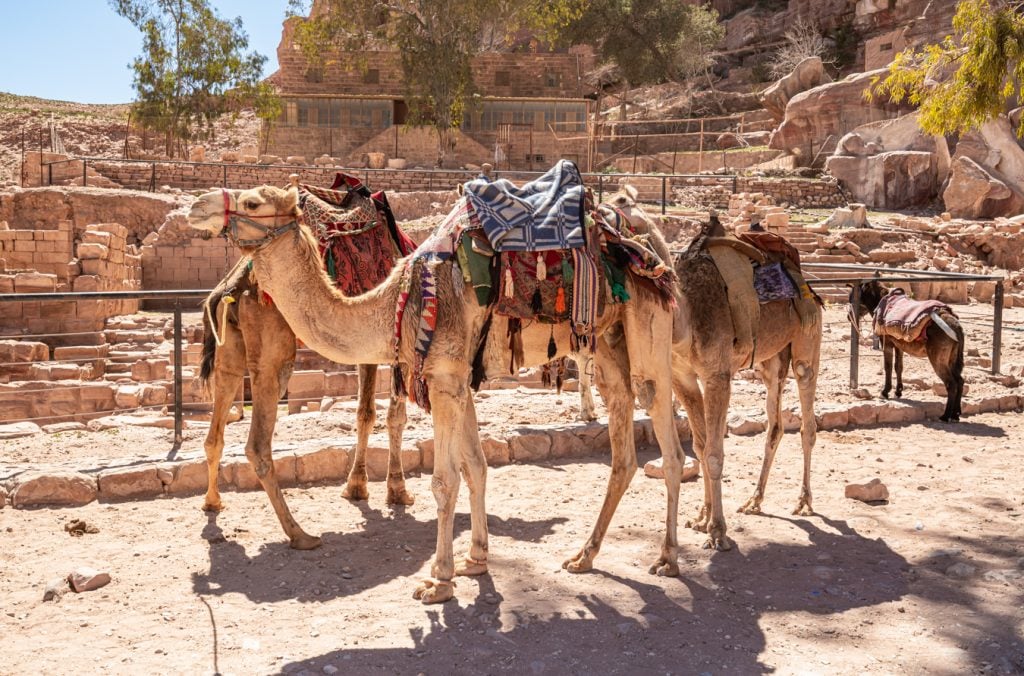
(987, 177)
(808, 74)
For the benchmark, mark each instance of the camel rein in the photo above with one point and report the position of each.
(271, 232)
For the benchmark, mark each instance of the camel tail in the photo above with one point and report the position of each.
(209, 340)
(953, 335)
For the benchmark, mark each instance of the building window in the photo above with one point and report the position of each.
(552, 79)
(371, 76)
(502, 78)
(314, 75)
(885, 47)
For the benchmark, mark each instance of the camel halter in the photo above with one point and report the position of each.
(232, 219)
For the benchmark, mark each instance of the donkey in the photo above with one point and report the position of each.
(942, 342)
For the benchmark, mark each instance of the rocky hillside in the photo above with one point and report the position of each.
(93, 130)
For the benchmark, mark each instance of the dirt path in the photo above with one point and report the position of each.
(856, 588)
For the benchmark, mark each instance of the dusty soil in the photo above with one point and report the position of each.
(931, 581)
(856, 588)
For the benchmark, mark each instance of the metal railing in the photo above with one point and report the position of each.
(437, 179)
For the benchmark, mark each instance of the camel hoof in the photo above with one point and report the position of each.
(699, 524)
(400, 497)
(211, 506)
(581, 563)
(469, 566)
(721, 543)
(356, 492)
(663, 568)
(586, 417)
(434, 591)
(304, 542)
(751, 506)
(803, 509)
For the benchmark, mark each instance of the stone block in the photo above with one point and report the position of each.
(326, 464)
(832, 418)
(36, 489)
(496, 451)
(863, 414)
(529, 446)
(91, 236)
(115, 229)
(18, 430)
(35, 282)
(84, 283)
(245, 479)
(191, 477)
(130, 482)
(128, 396)
(88, 251)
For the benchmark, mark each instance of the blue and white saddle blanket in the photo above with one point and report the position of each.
(544, 214)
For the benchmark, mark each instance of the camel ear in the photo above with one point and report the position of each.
(291, 198)
(631, 191)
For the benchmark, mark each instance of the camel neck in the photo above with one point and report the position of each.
(355, 330)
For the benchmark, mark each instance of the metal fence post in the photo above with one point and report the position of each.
(85, 174)
(600, 188)
(664, 194)
(854, 336)
(224, 181)
(178, 414)
(997, 326)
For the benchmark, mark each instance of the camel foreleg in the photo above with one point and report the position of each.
(397, 495)
(717, 390)
(366, 416)
(474, 470)
(805, 369)
(585, 368)
(228, 371)
(687, 391)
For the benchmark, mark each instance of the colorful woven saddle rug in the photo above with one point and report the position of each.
(903, 318)
(358, 237)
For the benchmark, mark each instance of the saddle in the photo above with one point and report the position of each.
(903, 318)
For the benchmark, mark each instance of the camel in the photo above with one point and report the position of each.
(707, 351)
(242, 330)
(942, 343)
(266, 221)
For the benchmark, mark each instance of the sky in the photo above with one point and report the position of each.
(81, 50)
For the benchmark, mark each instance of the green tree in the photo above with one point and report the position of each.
(194, 67)
(437, 40)
(969, 77)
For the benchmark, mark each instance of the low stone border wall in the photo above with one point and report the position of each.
(328, 460)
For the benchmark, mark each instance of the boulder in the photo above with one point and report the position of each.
(828, 110)
(889, 180)
(85, 579)
(59, 488)
(872, 491)
(807, 74)
(974, 193)
(18, 430)
(728, 140)
(530, 447)
(197, 154)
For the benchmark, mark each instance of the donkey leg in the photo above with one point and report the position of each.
(366, 415)
(899, 372)
(773, 372)
(887, 357)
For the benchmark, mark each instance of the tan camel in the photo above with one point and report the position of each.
(361, 330)
(705, 355)
(253, 335)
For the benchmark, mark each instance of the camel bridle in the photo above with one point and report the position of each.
(270, 232)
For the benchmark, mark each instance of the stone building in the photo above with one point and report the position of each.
(531, 111)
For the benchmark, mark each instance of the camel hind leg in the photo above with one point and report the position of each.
(773, 372)
(673, 459)
(585, 368)
(366, 415)
(806, 360)
(474, 470)
(687, 391)
(397, 495)
(612, 376)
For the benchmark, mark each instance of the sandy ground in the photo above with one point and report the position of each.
(929, 582)
(855, 588)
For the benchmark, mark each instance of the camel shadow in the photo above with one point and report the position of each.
(347, 563)
(695, 624)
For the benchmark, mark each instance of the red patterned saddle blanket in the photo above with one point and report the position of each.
(903, 318)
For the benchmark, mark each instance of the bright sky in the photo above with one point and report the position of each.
(80, 50)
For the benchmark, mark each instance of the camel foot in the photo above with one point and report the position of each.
(803, 507)
(581, 563)
(701, 521)
(469, 566)
(719, 543)
(586, 416)
(751, 506)
(213, 505)
(664, 568)
(399, 496)
(356, 491)
(304, 541)
(434, 591)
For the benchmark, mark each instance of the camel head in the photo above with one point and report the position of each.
(250, 218)
(625, 204)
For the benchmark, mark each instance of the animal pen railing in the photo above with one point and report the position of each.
(150, 174)
(188, 301)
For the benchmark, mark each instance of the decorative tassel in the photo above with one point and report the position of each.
(545, 375)
(560, 300)
(398, 381)
(552, 348)
(509, 285)
(332, 270)
(536, 302)
(542, 267)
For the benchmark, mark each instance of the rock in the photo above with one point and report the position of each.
(58, 428)
(807, 74)
(961, 571)
(655, 470)
(728, 140)
(529, 447)
(87, 579)
(18, 430)
(872, 491)
(79, 527)
(129, 482)
(55, 589)
(59, 488)
(889, 180)
(197, 154)
(811, 116)
(974, 193)
(3, 497)
(230, 156)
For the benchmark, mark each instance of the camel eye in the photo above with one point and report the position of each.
(252, 205)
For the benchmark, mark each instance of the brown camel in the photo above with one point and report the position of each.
(242, 330)
(361, 330)
(944, 351)
(708, 350)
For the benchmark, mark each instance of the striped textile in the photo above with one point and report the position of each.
(544, 214)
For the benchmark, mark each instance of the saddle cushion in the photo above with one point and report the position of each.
(772, 283)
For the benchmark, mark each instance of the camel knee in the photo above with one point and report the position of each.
(261, 463)
(644, 391)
